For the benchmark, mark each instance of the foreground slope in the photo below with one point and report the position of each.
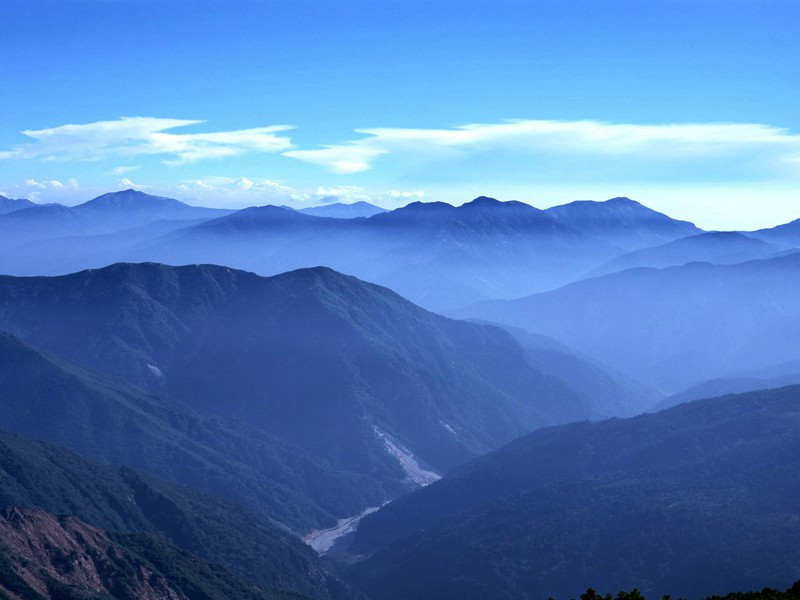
(49, 399)
(349, 370)
(672, 327)
(39, 475)
(692, 501)
(44, 556)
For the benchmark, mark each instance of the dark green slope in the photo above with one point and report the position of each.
(43, 556)
(693, 500)
(39, 475)
(312, 356)
(50, 399)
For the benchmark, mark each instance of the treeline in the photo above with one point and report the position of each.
(793, 593)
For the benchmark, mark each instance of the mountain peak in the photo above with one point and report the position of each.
(129, 198)
(483, 201)
(340, 210)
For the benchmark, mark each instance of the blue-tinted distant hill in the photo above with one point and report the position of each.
(672, 327)
(105, 214)
(436, 254)
(694, 500)
(786, 235)
(622, 222)
(8, 205)
(612, 393)
(772, 376)
(718, 247)
(340, 210)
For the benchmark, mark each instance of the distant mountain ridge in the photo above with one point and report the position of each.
(671, 327)
(8, 205)
(109, 213)
(434, 253)
(340, 210)
(717, 247)
(438, 255)
(622, 222)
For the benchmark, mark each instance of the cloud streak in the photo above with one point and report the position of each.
(140, 136)
(548, 140)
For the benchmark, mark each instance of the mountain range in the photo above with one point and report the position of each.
(622, 222)
(717, 247)
(672, 327)
(692, 501)
(8, 205)
(438, 255)
(109, 213)
(350, 371)
(269, 403)
(340, 210)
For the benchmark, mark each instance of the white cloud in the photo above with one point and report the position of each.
(49, 184)
(400, 195)
(346, 158)
(724, 144)
(137, 136)
(126, 183)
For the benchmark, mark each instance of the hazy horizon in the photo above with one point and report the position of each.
(685, 106)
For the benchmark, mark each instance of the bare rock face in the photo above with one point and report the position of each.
(48, 551)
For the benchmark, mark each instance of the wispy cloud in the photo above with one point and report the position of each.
(547, 141)
(137, 136)
(51, 184)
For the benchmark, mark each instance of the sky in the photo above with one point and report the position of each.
(691, 107)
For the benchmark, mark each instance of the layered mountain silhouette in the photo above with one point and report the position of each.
(787, 235)
(672, 327)
(622, 222)
(340, 210)
(109, 421)
(612, 393)
(717, 247)
(109, 213)
(348, 370)
(773, 376)
(436, 254)
(691, 501)
(37, 475)
(8, 205)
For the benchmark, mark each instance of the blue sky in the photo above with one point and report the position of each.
(688, 106)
